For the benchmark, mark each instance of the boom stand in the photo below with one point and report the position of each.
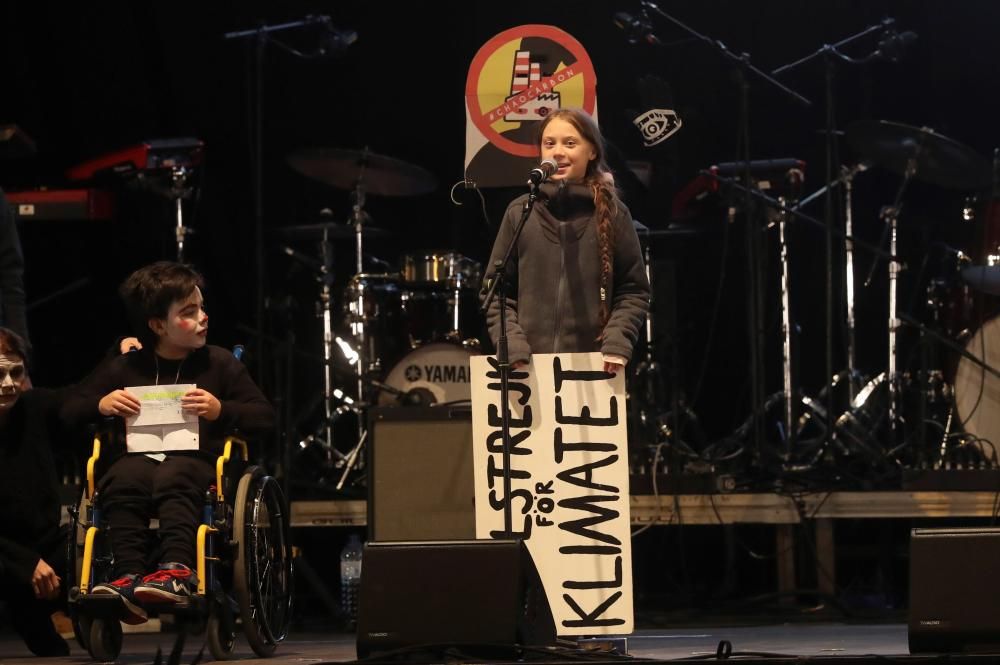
(499, 284)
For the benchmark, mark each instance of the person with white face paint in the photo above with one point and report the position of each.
(167, 310)
(32, 543)
(576, 281)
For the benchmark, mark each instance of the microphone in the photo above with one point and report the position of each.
(542, 172)
(892, 45)
(334, 40)
(637, 28)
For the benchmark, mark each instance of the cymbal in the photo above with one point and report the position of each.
(344, 169)
(985, 279)
(333, 230)
(938, 159)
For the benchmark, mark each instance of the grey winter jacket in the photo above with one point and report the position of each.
(554, 278)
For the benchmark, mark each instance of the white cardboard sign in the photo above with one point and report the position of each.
(569, 482)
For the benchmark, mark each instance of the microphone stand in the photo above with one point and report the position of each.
(498, 288)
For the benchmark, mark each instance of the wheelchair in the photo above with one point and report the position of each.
(243, 564)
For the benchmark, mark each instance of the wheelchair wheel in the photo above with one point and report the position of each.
(221, 639)
(81, 628)
(105, 641)
(262, 571)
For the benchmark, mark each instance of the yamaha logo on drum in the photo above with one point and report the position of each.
(438, 373)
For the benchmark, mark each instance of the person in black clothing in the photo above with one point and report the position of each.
(167, 310)
(576, 281)
(32, 544)
(12, 300)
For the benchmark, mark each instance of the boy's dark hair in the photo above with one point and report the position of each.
(12, 344)
(149, 292)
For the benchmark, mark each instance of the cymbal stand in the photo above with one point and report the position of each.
(891, 216)
(786, 330)
(326, 278)
(366, 361)
(847, 177)
(846, 181)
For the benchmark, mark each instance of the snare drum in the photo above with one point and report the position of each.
(443, 269)
(432, 374)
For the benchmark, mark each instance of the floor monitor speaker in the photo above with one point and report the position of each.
(483, 598)
(954, 591)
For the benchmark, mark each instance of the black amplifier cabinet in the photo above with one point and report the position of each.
(420, 483)
(954, 591)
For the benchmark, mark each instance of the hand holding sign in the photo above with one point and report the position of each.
(202, 403)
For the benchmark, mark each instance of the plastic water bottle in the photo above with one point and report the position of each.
(350, 577)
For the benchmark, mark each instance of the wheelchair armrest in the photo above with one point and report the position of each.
(223, 459)
(92, 465)
(102, 429)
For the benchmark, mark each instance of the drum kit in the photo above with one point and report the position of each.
(406, 334)
(916, 414)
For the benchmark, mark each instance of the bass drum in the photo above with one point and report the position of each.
(431, 374)
(977, 391)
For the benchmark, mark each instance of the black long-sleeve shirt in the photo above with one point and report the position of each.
(212, 368)
(29, 485)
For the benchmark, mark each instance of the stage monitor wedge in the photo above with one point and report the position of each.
(954, 591)
(483, 598)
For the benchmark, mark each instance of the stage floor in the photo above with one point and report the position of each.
(803, 640)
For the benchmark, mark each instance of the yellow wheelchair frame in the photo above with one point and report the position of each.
(249, 525)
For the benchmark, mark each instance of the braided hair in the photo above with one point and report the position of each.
(601, 181)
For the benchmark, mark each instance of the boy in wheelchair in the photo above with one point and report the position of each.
(166, 307)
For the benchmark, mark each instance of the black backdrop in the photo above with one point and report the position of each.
(87, 79)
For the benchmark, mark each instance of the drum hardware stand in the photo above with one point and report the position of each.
(832, 54)
(952, 346)
(666, 426)
(326, 306)
(178, 192)
(365, 362)
(497, 288)
(890, 215)
(852, 376)
(324, 268)
(786, 334)
(795, 211)
(743, 70)
(456, 306)
(649, 373)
